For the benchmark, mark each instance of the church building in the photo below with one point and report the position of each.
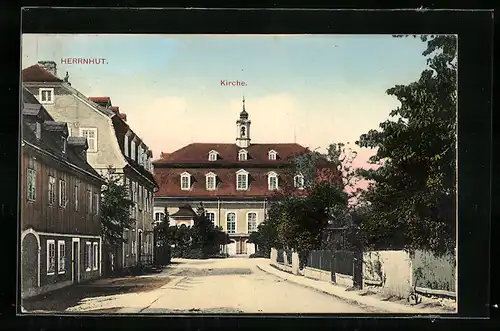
(233, 181)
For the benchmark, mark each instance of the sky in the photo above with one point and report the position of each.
(309, 89)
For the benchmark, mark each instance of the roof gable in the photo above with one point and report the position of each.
(38, 74)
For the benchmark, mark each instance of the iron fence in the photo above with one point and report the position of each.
(344, 262)
(288, 253)
(321, 260)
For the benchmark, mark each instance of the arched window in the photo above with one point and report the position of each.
(231, 223)
(252, 221)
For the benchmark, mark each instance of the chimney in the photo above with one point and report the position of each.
(123, 117)
(50, 66)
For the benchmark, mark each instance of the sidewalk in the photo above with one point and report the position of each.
(356, 297)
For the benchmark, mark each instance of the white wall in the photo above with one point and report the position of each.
(250, 248)
(396, 271)
(231, 248)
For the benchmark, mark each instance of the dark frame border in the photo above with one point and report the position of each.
(475, 30)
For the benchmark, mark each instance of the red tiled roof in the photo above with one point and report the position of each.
(37, 73)
(116, 109)
(164, 155)
(100, 99)
(169, 182)
(123, 116)
(197, 153)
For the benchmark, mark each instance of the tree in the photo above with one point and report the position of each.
(412, 202)
(115, 211)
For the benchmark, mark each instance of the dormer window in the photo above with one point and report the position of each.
(272, 155)
(242, 155)
(38, 130)
(211, 181)
(132, 150)
(241, 180)
(212, 155)
(272, 181)
(185, 181)
(298, 181)
(63, 143)
(46, 95)
(125, 146)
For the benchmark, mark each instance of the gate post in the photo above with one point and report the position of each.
(332, 268)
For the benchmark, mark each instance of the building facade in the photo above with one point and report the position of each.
(112, 145)
(233, 181)
(60, 197)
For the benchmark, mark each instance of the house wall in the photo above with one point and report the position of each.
(241, 209)
(54, 218)
(68, 108)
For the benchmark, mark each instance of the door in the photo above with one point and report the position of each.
(139, 247)
(76, 261)
(29, 263)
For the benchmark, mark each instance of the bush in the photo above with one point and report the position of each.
(258, 255)
(195, 254)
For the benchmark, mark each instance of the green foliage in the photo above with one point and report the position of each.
(202, 240)
(412, 202)
(115, 211)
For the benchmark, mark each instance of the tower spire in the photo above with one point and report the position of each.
(243, 101)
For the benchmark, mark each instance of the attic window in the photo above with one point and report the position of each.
(211, 181)
(212, 156)
(272, 181)
(272, 155)
(38, 130)
(185, 181)
(242, 155)
(63, 141)
(46, 95)
(298, 181)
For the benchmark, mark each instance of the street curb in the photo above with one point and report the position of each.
(371, 309)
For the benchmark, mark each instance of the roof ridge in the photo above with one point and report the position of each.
(48, 72)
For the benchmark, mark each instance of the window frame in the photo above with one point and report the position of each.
(93, 130)
(272, 155)
(95, 204)
(248, 221)
(211, 213)
(214, 177)
(188, 176)
(95, 256)
(51, 242)
(245, 173)
(76, 192)
(40, 95)
(125, 145)
(227, 222)
(295, 181)
(61, 243)
(63, 193)
(31, 178)
(243, 152)
(52, 190)
(213, 155)
(133, 150)
(88, 260)
(89, 200)
(272, 175)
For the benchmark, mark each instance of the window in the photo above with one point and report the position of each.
(272, 181)
(212, 156)
(95, 204)
(298, 181)
(185, 181)
(211, 216)
(159, 217)
(91, 135)
(231, 223)
(63, 144)
(38, 130)
(31, 183)
(252, 222)
(127, 187)
(62, 193)
(51, 257)
(125, 145)
(69, 132)
(77, 189)
(61, 250)
(52, 190)
(89, 201)
(88, 256)
(272, 155)
(46, 95)
(211, 182)
(95, 255)
(132, 150)
(242, 155)
(241, 180)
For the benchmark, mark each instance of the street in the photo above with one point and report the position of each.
(232, 285)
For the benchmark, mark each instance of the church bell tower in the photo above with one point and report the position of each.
(243, 129)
